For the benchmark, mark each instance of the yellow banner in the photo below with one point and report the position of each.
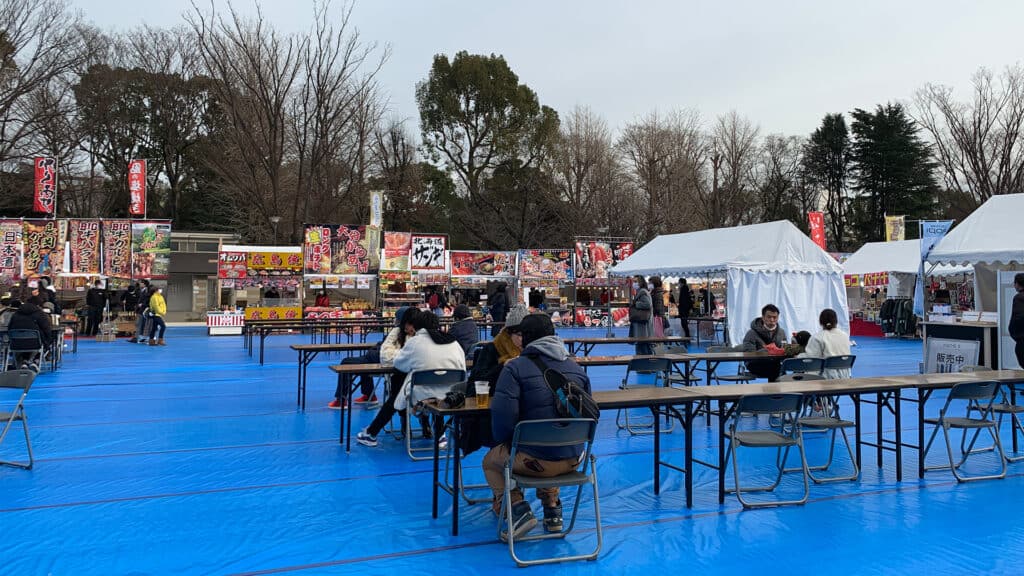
(895, 228)
(273, 313)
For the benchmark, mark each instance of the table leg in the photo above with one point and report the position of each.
(688, 430)
(437, 467)
(922, 399)
(721, 453)
(1013, 429)
(298, 391)
(657, 450)
(878, 428)
(348, 425)
(263, 340)
(456, 474)
(341, 428)
(899, 436)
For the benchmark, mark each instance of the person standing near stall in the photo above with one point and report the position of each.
(499, 308)
(158, 308)
(685, 305)
(640, 312)
(1016, 327)
(96, 300)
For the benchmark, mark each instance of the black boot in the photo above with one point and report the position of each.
(553, 518)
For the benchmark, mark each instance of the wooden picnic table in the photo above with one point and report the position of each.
(308, 352)
(586, 345)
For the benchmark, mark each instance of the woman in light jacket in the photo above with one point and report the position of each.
(831, 341)
(640, 314)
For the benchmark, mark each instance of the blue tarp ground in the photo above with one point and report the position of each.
(192, 459)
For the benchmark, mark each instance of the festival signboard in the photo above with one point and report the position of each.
(43, 247)
(151, 250)
(274, 263)
(550, 265)
(875, 279)
(397, 246)
(472, 263)
(428, 253)
(45, 198)
(231, 265)
(340, 249)
(595, 258)
(10, 251)
(117, 254)
(137, 187)
(85, 246)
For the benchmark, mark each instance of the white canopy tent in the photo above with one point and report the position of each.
(990, 239)
(770, 263)
(901, 260)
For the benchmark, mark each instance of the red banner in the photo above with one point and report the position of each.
(117, 244)
(45, 200)
(137, 187)
(85, 246)
(817, 223)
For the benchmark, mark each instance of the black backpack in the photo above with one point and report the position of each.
(571, 399)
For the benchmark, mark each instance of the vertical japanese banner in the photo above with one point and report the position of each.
(428, 253)
(931, 232)
(151, 250)
(45, 199)
(137, 187)
(816, 220)
(895, 228)
(376, 208)
(85, 246)
(117, 255)
(43, 242)
(10, 251)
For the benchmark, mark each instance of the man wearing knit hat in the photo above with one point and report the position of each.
(523, 394)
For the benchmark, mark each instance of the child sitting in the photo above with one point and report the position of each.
(799, 343)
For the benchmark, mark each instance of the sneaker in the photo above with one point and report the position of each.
(364, 438)
(366, 400)
(334, 404)
(133, 340)
(443, 444)
(553, 518)
(523, 521)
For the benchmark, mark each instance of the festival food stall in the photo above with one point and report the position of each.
(474, 275)
(600, 299)
(264, 282)
(341, 262)
(550, 273)
(773, 262)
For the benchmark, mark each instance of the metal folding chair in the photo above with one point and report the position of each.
(740, 377)
(24, 341)
(425, 384)
(471, 354)
(760, 404)
(803, 365)
(983, 395)
(660, 369)
(1003, 407)
(828, 421)
(551, 434)
(17, 380)
(844, 362)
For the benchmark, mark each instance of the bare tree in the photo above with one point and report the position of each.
(978, 143)
(778, 176)
(729, 200)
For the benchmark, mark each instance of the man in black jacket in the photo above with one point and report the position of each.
(1016, 327)
(464, 329)
(523, 394)
(96, 300)
(30, 316)
(140, 308)
(499, 308)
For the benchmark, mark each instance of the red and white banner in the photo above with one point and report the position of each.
(45, 200)
(817, 224)
(137, 187)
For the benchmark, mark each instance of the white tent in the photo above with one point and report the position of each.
(770, 263)
(901, 260)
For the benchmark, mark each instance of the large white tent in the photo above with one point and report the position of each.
(901, 260)
(770, 263)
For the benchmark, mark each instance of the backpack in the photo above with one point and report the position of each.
(571, 400)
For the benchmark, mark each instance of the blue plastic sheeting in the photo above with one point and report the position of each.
(193, 459)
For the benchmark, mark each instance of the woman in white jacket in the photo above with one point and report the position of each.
(831, 341)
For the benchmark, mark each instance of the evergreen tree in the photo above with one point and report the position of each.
(893, 171)
(826, 165)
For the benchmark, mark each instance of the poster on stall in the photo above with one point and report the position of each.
(470, 263)
(595, 258)
(43, 247)
(10, 251)
(151, 250)
(553, 265)
(363, 282)
(397, 246)
(231, 265)
(274, 264)
(428, 253)
(117, 255)
(85, 246)
(340, 249)
(599, 317)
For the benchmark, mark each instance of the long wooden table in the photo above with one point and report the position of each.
(308, 352)
(586, 345)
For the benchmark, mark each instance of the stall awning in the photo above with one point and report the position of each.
(991, 235)
(903, 257)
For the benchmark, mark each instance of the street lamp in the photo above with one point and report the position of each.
(273, 221)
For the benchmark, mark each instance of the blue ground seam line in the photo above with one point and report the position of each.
(159, 420)
(68, 401)
(622, 526)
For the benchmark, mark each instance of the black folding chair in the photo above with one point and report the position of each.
(425, 384)
(26, 342)
(17, 380)
(982, 395)
(659, 369)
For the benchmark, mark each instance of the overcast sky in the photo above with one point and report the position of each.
(783, 64)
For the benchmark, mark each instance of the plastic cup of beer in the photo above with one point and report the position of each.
(483, 393)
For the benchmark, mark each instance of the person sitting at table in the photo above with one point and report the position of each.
(385, 353)
(30, 316)
(476, 430)
(464, 329)
(389, 350)
(763, 332)
(523, 394)
(831, 341)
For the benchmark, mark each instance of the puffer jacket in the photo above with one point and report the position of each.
(466, 332)
(32, 317)
(758, 336)
(523, 394)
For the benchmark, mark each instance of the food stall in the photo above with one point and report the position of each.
(599, 298)
(262, 282)
(341, 262)
(548, 272)
(475, 274)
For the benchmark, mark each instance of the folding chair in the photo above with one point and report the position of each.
(1002, 408)
(844, 362)
(829, 421)
(473, 351)
(24, 341)
(660, 369)
(425, 384)
(552, 434)
(984, 395)
(741, 376)
(803, 365)
(789, 406)
(674, 377)
(17, 379)
(4, 344)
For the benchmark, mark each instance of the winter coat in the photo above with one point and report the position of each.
(499, 307)
(758, 336)
(465, 331)
(157, 304)
(1016, 327)
(642, 301)
(32, 317)
(422, 353)
(96, 298)
(685, 301)
(658, 302)
(390, 347)
(827, 343)
(523, 394)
